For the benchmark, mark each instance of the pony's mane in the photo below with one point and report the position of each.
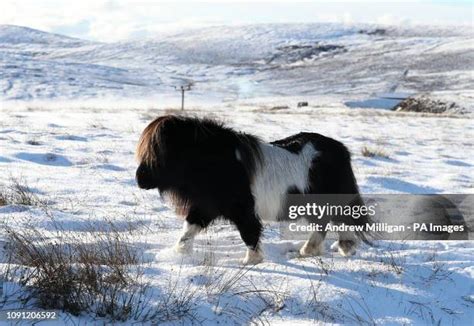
(150, 145)
(149, 140)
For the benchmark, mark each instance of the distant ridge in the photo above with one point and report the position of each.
(14, 34)
(350, 62)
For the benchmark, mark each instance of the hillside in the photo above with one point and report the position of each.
(240, 62)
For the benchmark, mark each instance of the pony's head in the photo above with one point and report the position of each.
(173, 148)
(149, 148)
(170, 142)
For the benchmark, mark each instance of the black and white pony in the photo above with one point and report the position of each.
(210, 171)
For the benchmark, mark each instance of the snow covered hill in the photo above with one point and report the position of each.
(240, 62)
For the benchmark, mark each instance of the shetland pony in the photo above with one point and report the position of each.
(210, 171)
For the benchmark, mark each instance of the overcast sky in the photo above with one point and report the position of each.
(112, 20)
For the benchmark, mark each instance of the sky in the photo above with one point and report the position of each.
(114, 20)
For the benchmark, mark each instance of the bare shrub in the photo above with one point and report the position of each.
(438, 271)
(3, 198)
(98, 272)
(318, 307)
(33, 142)
(423, 310)
(19, 193)
(273, 298)
(221, 281)
(75, 275)
(351, 310)
(395, 262)
(178, 302)
(222, 287)
(97, 125)
(374, 152)
(355, 311)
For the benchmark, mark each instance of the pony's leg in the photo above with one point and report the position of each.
(346, 245)
(314, 246)
(195, 222)
(250, 231)
(186, 240)
(253, 256)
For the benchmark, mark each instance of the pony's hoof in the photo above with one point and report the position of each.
(310, 250)
(252, 257)
(346, 248)
(183, 248)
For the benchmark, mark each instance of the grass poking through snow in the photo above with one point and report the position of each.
(374, 152)
(76, 274)
(18, 193)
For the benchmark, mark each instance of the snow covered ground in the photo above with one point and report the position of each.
(82, 162)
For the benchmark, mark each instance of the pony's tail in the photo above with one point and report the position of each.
(348, 185)
(336, 176)
(362, 220)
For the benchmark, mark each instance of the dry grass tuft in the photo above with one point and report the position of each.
(96, 272)
(19, 193)
(75, 275)
(3, 199)
(178, 303)
(33, 142)
(374, 152)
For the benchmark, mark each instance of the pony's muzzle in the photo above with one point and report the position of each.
(144, 178)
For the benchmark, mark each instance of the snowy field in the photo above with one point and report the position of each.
(82, 163)
(71, 112)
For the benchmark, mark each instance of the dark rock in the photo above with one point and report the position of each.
(377, 31)
(282, 107)
(301, 104)
(299, 52)
(425, 104)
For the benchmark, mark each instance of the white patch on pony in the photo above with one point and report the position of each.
(279, 171)
(237, 155)
(186, 241)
